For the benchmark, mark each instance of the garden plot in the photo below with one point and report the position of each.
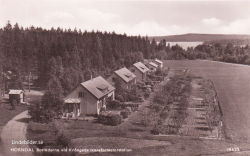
(203, 119)
(199, 116)
(176, 71)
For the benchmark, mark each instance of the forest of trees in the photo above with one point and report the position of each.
(62, 58)
(68, 57)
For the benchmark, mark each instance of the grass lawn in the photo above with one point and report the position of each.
(115, 143)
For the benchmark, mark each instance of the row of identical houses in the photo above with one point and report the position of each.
(91, 96)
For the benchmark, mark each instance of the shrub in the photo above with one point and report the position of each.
(120, 98)
(132, 97)
(102, 118)
(41, 115)
(146, 95)
(155, 131)
(164, 115)
(115, 104)
(125, 113)
(110, 119)
(159, 99)
(156, 107)
(115, 120)
(62, 140)
(132, 106)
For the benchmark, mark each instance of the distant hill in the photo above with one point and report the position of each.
(200, 37)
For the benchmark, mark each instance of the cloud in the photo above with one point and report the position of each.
(149, 28)
(211, 21)
(94, 15)
(58, 17)
(240, 26)
(162, 18)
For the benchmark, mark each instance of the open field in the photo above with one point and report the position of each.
(232, 84)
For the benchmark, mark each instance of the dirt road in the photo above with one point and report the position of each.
(15, 129)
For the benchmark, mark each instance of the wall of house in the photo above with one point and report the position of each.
(123, 83)
(88, 103)
(131, 83)
(139, 75)
(112, 95)
(152, 68)
(103, 101)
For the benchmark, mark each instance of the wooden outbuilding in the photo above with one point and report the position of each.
(16, 95)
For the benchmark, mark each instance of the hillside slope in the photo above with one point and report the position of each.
(200, 37)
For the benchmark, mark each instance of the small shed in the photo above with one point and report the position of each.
(17, 95)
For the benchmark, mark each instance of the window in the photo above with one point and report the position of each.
(80, 94)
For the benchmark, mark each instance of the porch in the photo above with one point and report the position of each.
(71, 108)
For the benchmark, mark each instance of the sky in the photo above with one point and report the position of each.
(151, 18)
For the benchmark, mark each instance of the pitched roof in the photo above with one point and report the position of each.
(15, 91)
(158, 61)
(141, 67)
(153, 64)
(125, 74)
(98, 87)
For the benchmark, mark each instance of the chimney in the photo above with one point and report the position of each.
(91, 76)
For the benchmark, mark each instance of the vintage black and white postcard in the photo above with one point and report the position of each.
(124, 78)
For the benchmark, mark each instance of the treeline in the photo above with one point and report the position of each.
(237, 42)
(67, 57)
(226, 53)
(217, 51)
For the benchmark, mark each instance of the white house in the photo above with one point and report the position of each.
(89, 97)
(159, 63)
(140, 70)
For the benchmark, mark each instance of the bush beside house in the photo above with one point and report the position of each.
(110, 119)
